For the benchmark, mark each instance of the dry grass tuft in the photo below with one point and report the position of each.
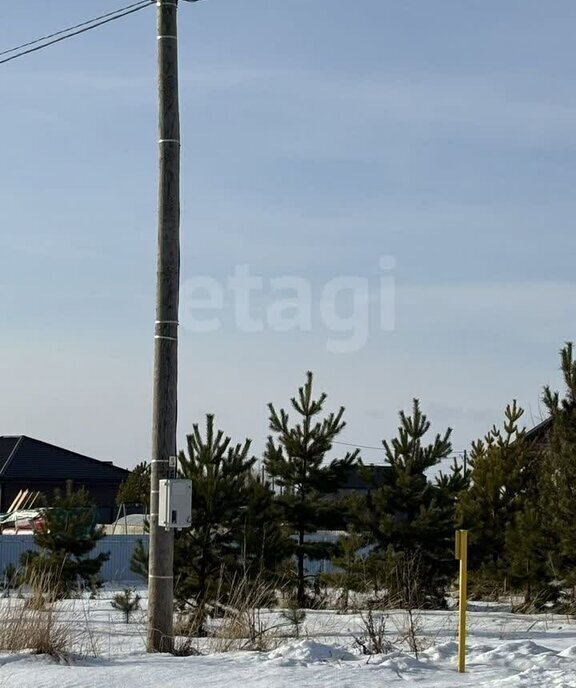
(235, 622)
(23, 627)
(34, 621)
(242, 626)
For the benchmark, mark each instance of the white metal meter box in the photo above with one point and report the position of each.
(175, 503)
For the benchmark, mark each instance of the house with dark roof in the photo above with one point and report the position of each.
(539, 433)
(30, 464)
(363, 479)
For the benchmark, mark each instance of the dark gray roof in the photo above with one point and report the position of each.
(24, 458)
(376, 475)
(539, 430)
(7, 446)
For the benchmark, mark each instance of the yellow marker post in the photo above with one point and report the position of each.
(462, 554)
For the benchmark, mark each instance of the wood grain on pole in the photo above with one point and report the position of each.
(161, 555)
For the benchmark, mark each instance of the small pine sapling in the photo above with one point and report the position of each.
(295, 616)
(126, 602)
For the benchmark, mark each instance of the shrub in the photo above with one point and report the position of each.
(66, 537)
(126, 602)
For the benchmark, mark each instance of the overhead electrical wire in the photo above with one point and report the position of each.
(63, 34)
(70, 28)
(89, 24)
(358, 446)
(381, 448)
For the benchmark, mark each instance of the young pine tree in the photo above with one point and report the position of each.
(66, 537)
(411, 516)
(220, 474)
(529, 554)
(126, 602)
(295, 458)
(540, 545)
(265, 543)
(139, 560)
(136, 489)
(558, 479)
(350, 567)
(500, 482)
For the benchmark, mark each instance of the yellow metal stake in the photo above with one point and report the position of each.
(462, 555)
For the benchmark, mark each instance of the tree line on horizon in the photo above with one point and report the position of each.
(514, 496)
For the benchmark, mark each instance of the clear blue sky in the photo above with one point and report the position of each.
(317, 137)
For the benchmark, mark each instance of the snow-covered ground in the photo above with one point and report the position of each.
(504, 650)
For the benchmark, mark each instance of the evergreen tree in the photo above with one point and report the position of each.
(296, 462)
(558, 477)
(139, 560)
(500, 478)
(351, 573)
(136, 489)
(412, 517)
(67, 534)
(530, 553)
(220, 474)
(265, 541)
(521, 504)
(126, 602)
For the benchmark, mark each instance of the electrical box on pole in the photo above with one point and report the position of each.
(175, 504)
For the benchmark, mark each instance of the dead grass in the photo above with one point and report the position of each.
(372, 639)
(38, 630)
(234, 623)
(36, 622)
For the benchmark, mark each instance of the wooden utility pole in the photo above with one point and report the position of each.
(161, 555)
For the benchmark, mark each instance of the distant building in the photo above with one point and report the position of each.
(539, 435)
(364, 479)
(29, 464)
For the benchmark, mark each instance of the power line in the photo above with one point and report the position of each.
(63, 34)
(70, 28)
(359, 446)
(381, 448)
